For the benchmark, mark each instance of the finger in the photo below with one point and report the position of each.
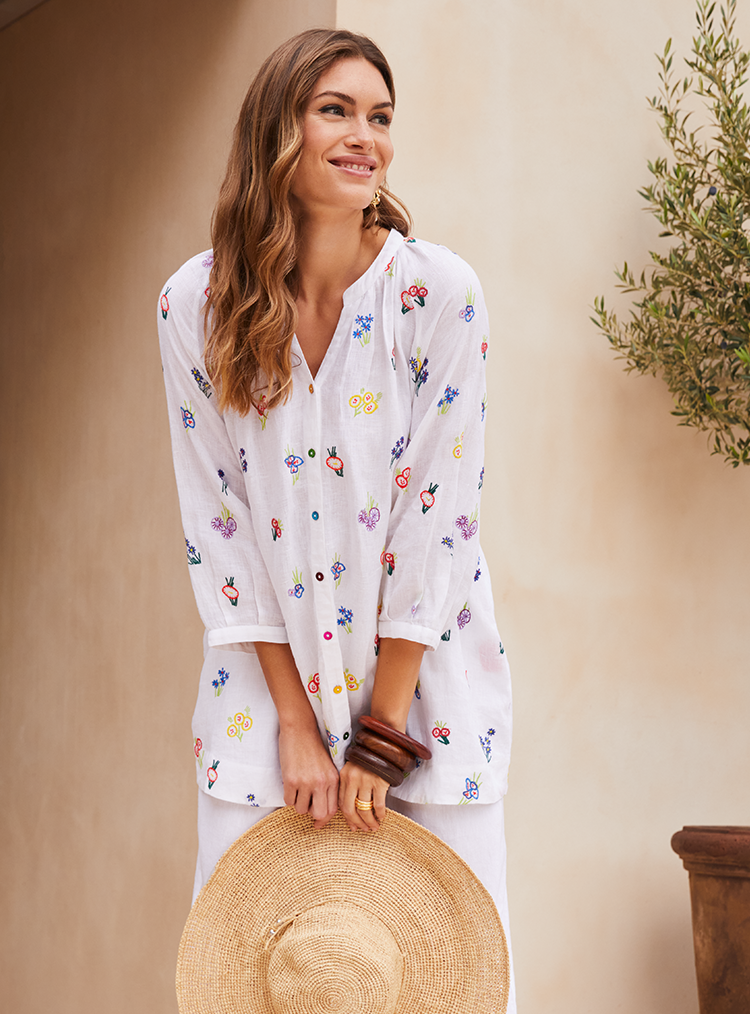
(379, 795)
(302, 803)
(347, 793)
(367, 816)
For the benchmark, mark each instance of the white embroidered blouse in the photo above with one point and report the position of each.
(348, 514)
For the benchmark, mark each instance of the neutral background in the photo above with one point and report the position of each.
(619, 548)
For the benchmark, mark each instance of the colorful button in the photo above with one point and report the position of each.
(315, 515)
(319, 576)
(311, 389)
(311, 453)
(328, 635)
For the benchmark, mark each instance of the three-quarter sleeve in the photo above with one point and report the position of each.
(432, 551)
(232, 587)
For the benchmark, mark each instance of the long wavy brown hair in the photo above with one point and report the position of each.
(251, 315)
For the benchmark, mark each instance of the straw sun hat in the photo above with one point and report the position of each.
(298, 921)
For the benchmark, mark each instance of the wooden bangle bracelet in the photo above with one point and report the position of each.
(371, 762)
(395, 736)
(402, 758)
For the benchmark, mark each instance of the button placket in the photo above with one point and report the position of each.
(335, 706)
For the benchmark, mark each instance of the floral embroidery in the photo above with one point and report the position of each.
(293, 462)
(397, 451)
(222, 476)
(445, 636)
(212, 774)
(377, 645)
(458, 450)
(225, 524)
(297, 590)
(484, 346)
(389, 267)
(472, 788)
(478, 572)
(218, 684)
(337, 569)
(419, 371)
(208, 261)
(468, 526)
(468, 312)
(164, 302)
(427, 496)
(352, 683)
(332, 741)
(276, 528)
(417, 292)
(188, 419)
(365, 401)
(449, 396)
(502, 649)
(441, 733)
(393, 358)
(192, 554)
(481, 479)
(345, 619)
(239, 724)
(402, 478)
(251, 799)
(313, 685)
(262, 409)
(230, 591)
(417, 690)
(203, 384)
(410, 239)
(486, 745)
(484, 405)
(333, 461)
(447, 541)
(198, 751)
(243, 459)
(388, 560)
(369, 515)
(464, 617)
(362, 329)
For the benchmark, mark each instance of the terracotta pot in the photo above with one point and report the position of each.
(718, 862)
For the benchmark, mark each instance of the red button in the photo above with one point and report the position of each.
(319, 576)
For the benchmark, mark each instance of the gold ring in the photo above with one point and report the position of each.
(363, 804)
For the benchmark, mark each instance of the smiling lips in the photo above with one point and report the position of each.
(360, 164)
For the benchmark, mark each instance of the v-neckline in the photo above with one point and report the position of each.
(353, 292)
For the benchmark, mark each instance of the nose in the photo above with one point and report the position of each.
(361, 134)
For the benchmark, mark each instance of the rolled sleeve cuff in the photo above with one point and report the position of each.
(409, 632)
(235, 635)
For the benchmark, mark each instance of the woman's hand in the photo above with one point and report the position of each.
(355, 781)
(311, 780)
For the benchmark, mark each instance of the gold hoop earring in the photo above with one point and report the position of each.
(375, 199)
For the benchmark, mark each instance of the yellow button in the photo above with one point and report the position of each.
(311, 389)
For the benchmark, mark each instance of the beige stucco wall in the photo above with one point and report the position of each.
(618, 546)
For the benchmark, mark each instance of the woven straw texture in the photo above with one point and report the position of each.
(392, 922)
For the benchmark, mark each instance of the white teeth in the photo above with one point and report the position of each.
(355, 166)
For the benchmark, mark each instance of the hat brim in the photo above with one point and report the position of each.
(443, 919)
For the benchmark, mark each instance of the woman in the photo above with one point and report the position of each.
(325, 379)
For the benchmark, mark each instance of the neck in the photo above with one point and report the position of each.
(333, 253)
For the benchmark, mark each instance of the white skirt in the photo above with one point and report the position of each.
(476, 833)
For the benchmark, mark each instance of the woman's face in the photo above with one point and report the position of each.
(346, 147)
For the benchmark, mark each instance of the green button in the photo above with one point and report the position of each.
(311, 453)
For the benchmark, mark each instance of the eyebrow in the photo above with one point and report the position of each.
(347, 98)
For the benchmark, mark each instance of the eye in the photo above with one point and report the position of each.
(334, 109)
(383, 119)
